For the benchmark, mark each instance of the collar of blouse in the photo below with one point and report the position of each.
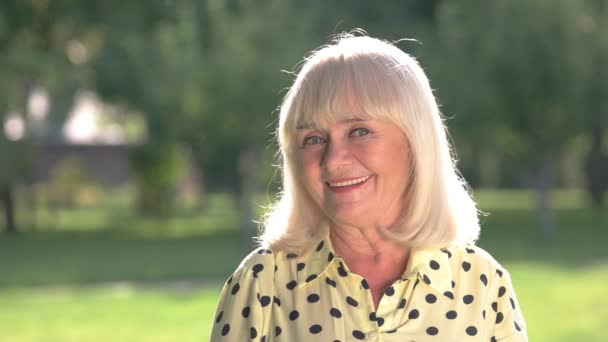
(428, 265)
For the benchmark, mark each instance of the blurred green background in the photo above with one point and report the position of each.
(136, 149)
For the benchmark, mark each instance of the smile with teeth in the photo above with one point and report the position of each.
(348, 182)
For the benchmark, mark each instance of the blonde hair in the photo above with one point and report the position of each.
(360, 74)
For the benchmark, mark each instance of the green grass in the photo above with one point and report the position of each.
(108, 275)
(115, 313)
(562, 303)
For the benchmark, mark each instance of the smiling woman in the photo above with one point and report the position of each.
(354, 169)
(373, 235)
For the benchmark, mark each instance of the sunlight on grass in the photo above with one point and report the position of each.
(562, 304)
(527, 199)
(105, 314)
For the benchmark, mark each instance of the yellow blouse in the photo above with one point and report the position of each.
(454, 294)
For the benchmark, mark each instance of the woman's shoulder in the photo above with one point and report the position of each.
(475, 266)
(471, 255)
(257, 262)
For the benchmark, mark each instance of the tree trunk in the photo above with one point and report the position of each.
(8, 204)
(544, 185)
(597, 167)
(245, 186)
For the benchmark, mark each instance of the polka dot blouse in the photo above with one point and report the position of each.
(454, 294)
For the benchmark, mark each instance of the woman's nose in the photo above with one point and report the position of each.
(337, 154)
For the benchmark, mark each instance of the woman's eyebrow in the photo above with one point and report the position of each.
(349, 120)
(303, 127)
(346, 120)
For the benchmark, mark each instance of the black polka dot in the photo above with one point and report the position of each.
(499, 272)
(484, 279)
(430, 298)
(245, 312)
(335, 313)
(453, 284)
(330, 256)
(265, 300)
(315, 329)
(380, 321)
(483, 314)
(468, 299)
(257, 268)
(341, 271)
(264, 251)
(432, 331)
(449, 294)
(235, 288)
(291, 285)
(351, 301)
(263, 339)
(466, 266)
(301, 266)
(294, 315)
(320, 245)
(292, 256)
(493, 339)
(364, 284)
(426, 279)
(312, 298)
(470, 251)
(501, 291)
(512, 303)
(276, 300)
(444, 250)
(225, 329)
(219, 317)
(495, 306)
(358, 335)
(471, 331)
(277, 331)
(330, 282)
(499, 317)
(390, 291)
(311, 278)
(451, 314)
(416, 283)
(229, 280)
(372, 316)
(413, 314)
(517, 326)
(392, 331)
(276, 268)
(253, 333)
(434, 265)
(402, 303)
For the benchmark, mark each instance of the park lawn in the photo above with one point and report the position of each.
(559, 305)
(107, 313)
(119, 283)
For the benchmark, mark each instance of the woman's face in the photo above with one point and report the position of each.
(356, 170)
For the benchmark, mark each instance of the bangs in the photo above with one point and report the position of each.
(345, 87)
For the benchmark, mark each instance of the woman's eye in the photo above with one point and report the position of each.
(359, 132)
(314, 140)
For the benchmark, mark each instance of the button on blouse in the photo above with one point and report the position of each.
(455, 294)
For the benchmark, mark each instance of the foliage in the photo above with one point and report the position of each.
(71, 184)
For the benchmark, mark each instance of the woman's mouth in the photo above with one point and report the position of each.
(346, 184)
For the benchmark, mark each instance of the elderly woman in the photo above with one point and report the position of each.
(372, 237)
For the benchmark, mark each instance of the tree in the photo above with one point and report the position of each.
(32, 40)
(593, 23)
(525, 56)
(146, 63)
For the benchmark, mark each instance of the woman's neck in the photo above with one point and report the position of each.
(380, 261)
